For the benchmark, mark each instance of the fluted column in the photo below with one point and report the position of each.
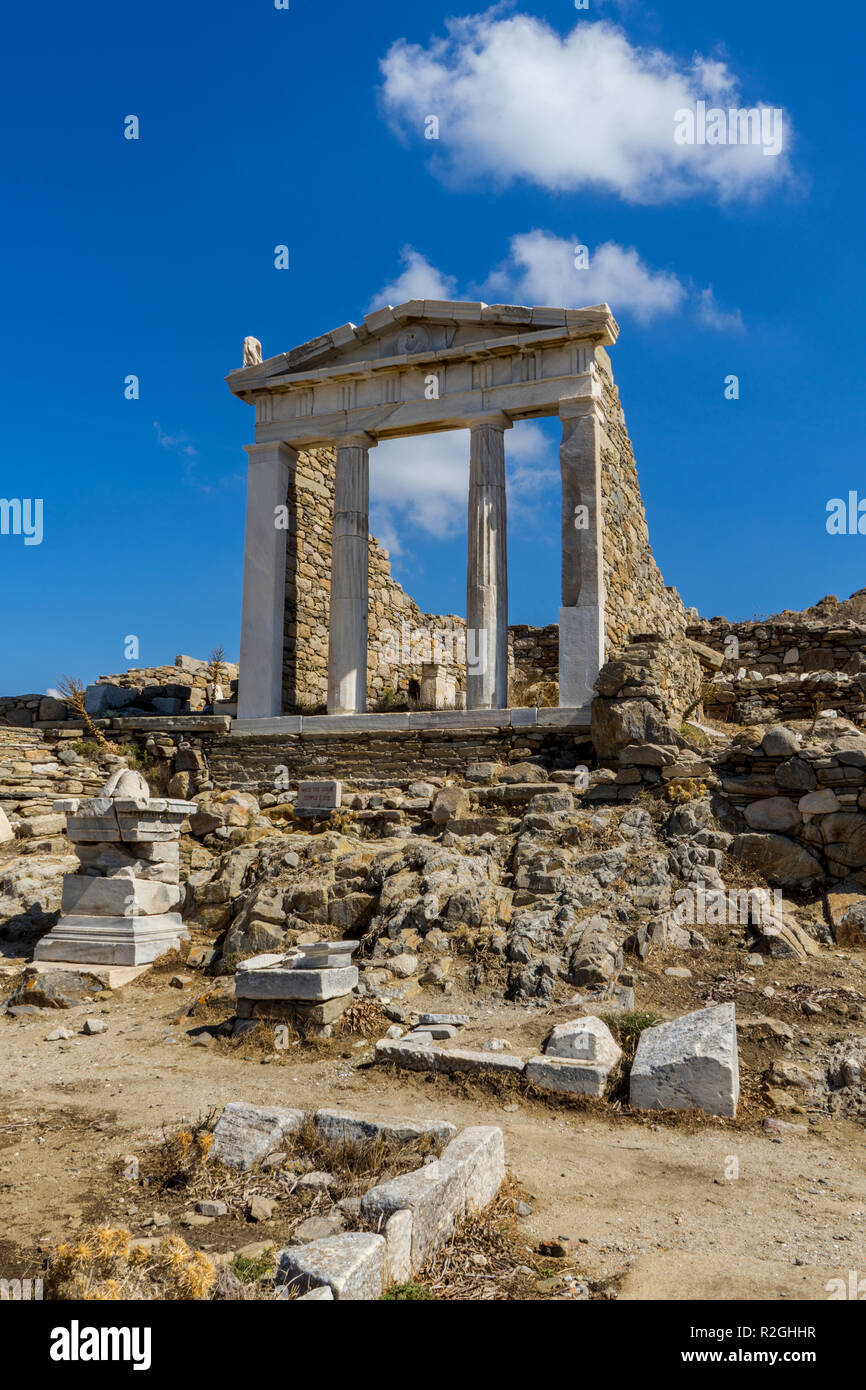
(581, 617)
(260, 685)
(347, 636)
(487, 568)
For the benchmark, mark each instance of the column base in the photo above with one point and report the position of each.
(581, 654)
(112, 940)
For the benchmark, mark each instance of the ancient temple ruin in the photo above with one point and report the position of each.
(425, 366)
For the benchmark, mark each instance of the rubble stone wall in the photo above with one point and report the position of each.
(636, 598)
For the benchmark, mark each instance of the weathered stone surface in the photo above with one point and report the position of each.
(587, 1039)
(846, 906)
(780, 742)
(55, 989)
(435, 1196)
(844, 835)
(352, 1265)
(6, 831)
(345, 1126)
(112, 940)
(773, 813)
(314, 985)
(245, 1133)
(121, 896)
(478, 1154)
(618, 723)
(451, 803)
(778, 859)
(819, 803)
(689, 1064)
(398, 1246)
(567, 1074)
(438, 1059)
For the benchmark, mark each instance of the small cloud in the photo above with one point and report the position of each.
(710, 314)
(418, 280)
(176, 443)
(541, 269)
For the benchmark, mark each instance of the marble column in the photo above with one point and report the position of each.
(350, 552)
(260, 688)
(487, 568)
(581, 617)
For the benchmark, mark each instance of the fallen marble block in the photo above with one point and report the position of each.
(568, 1075)
(326, 955)
(478, 1155)
(246, 1133)
(276, 983)
(424, 1058)
(344, 1126)
(352, 1266)
(121, 896)
(689, 1064)
(587, 1039)
(435, 1196)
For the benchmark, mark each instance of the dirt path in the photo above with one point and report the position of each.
(657, 1205)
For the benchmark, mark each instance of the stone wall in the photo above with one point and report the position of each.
(393, 666)
(785, 668)
(636, 598)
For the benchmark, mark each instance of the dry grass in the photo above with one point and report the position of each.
(486, 1259)
(103, 1265)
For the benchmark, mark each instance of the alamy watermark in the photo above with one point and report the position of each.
(22, 516)
(421, 646)
(717, 907)
(714, 125)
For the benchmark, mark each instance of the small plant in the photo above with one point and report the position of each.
(252, 1271)
(216, 671)
(72, 691)
(627, 1027)
(410, 1292)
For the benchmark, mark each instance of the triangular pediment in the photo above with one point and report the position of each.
(421, 327)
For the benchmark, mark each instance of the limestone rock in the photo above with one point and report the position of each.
(775, 813)
(778, 859)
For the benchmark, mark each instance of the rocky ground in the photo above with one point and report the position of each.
(521, 903)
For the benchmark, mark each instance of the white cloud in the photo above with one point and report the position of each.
(713, 316)
(516, 100)
(541, 270)
(418, 280)
(422, 484)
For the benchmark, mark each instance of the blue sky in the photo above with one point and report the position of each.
(304, 127)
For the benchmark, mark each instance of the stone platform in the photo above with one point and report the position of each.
(575, 717)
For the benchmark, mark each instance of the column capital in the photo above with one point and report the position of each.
(579, 407)
(278, 449)
(496, 419)
(359, 440)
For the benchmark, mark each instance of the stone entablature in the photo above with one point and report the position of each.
(375, 378)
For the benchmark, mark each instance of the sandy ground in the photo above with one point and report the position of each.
(694, 1209)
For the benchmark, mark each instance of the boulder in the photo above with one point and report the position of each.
(689, 1064)
(780, 742)
(615, 724)
(775, 813)
(451, 803)
(778, 859)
